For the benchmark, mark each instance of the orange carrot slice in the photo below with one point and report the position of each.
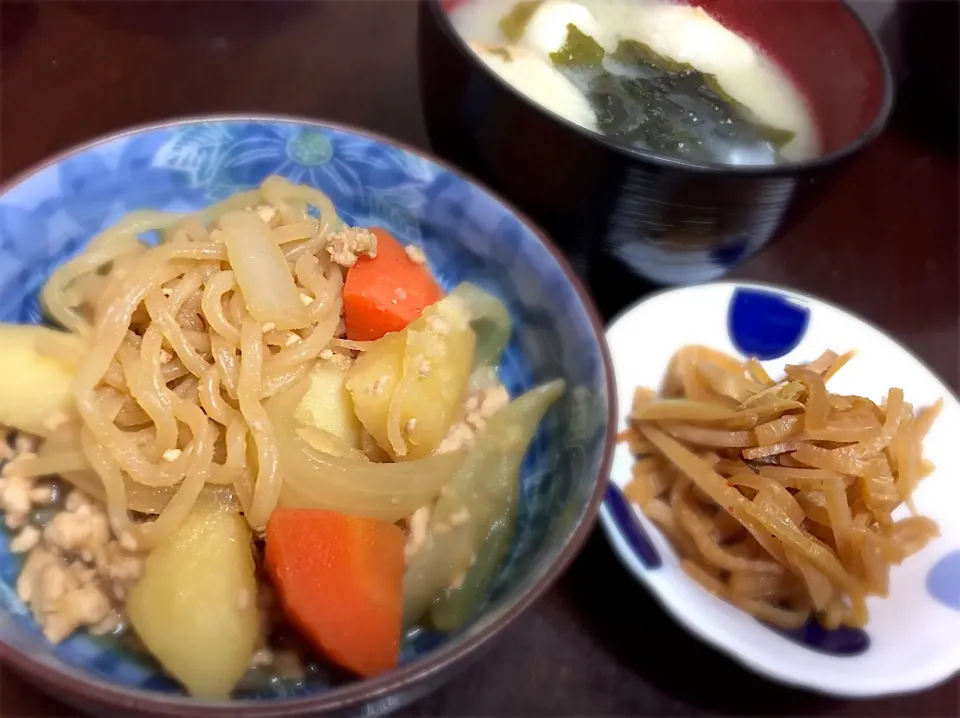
(385, 293)
(339, 580)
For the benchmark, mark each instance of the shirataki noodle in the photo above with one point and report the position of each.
(188, 340)
(271, 422)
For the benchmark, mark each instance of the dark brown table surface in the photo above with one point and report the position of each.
(883, 243)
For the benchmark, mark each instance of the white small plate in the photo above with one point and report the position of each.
(912, 640)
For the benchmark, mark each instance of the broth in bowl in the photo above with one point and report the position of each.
(656, 75)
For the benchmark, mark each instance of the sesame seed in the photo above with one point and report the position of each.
(55, 421)
(437, 325)
(171, 454)
(423, 367)
(269, 327)
(326, 354)
(306, 299)
(292, 338)
(266, 212)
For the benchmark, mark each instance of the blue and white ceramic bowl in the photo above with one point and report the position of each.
(49, 214)
(912, 640)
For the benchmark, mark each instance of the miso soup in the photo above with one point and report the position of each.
(657, 75)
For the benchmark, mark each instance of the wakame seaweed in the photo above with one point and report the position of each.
(515, 22)
(776, 136)
(578, 50)
(630, 52)
(661, 104)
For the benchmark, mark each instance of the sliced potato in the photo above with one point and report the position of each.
(408, 387)
(36, 376)
(372, 382)
(195, 608)
(327, 405)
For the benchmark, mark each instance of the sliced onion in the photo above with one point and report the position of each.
(262, 271)
(314, 479)
(328, 443)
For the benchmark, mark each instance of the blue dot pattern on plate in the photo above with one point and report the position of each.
(51, 215)
(765, 324)
(843, 641)
(943, 581)
(622, 514)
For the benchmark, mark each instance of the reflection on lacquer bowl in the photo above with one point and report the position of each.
(908, 641)
(455, 232)
(677, 139)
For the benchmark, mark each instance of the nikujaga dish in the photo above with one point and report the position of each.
(275, 440)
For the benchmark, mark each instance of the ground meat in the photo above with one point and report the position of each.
(119, 567)
(478, 408)
(75, 574)
(437, 324)
(15, 501)
(417, 525)
(459, 436)
(341, 359)
(64, 595)
(345, 246)
(415, 254)
(80, 529)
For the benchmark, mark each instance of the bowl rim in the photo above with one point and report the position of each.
(633, 564)
(76, 685)
(636, 154)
